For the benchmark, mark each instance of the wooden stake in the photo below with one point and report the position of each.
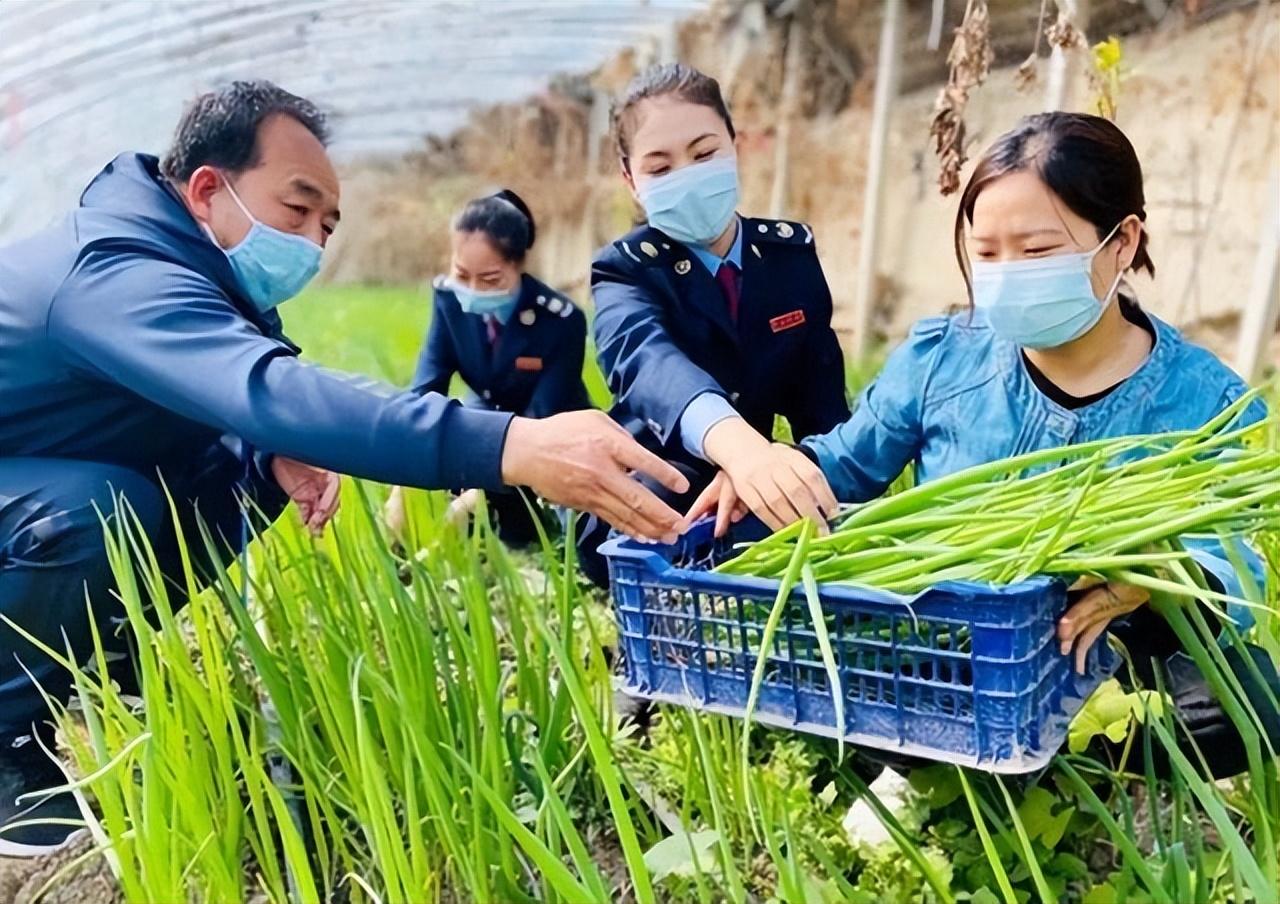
(793, 71)
(1064, 63)
(887, 75)
(1258, 323)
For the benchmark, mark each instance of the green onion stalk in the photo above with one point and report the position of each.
(1108, 508)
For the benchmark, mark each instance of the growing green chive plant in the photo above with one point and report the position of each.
(439, 725)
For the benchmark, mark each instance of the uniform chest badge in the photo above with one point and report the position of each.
(527, 317)
(788, 321)
(524, 363)
(683, 267)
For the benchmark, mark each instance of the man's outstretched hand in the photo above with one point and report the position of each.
(584, 460)
(313, 490)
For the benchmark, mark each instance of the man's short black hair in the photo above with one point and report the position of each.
(220, 128)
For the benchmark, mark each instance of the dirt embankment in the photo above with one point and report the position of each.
(1199, 97)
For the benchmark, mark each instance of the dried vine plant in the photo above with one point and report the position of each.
(970, 61)
(1027, 73)
(1063, 33)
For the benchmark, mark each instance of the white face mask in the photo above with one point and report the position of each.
(1044, 302)
(694, 204)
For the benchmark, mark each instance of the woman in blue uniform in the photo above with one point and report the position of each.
(709, 324)
(517, 343)
(1055, 350)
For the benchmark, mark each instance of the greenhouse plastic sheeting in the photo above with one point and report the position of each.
(81, 80)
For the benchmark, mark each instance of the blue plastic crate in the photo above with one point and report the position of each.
(961, 673)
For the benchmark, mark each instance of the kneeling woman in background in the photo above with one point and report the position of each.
(517, 343)
(710, 324)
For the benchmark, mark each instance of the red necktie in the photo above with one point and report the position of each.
(731, 285)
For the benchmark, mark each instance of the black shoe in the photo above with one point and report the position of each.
(25, 771)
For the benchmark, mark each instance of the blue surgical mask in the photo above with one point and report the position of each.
(695, 203)
(498, 304)
(271, 266)
(1041, 303)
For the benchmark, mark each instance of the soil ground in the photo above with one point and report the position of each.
(71, 877)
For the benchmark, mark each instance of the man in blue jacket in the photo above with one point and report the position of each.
(141, 352)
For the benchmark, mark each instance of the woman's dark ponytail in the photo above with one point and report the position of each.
(505, 219)
(518, 203)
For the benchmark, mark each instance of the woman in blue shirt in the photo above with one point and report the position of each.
(1055, 350)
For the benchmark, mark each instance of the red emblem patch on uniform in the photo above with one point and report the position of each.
(528, 363)
(786, 321)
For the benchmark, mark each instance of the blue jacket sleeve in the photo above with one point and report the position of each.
(172, 337)
(862, 456)
(699, 417)
(646, 371)
(1211, 555)
(438, 361)
(561, 388)
(262, 487)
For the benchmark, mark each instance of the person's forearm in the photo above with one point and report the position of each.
(699, 418)
(731, 438)
(518, 455)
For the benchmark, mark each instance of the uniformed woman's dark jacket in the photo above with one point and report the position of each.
(533, 370)
(665, 335)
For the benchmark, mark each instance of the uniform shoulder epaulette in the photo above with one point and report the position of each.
(782, 232)
(555, 303)
(645, 246)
